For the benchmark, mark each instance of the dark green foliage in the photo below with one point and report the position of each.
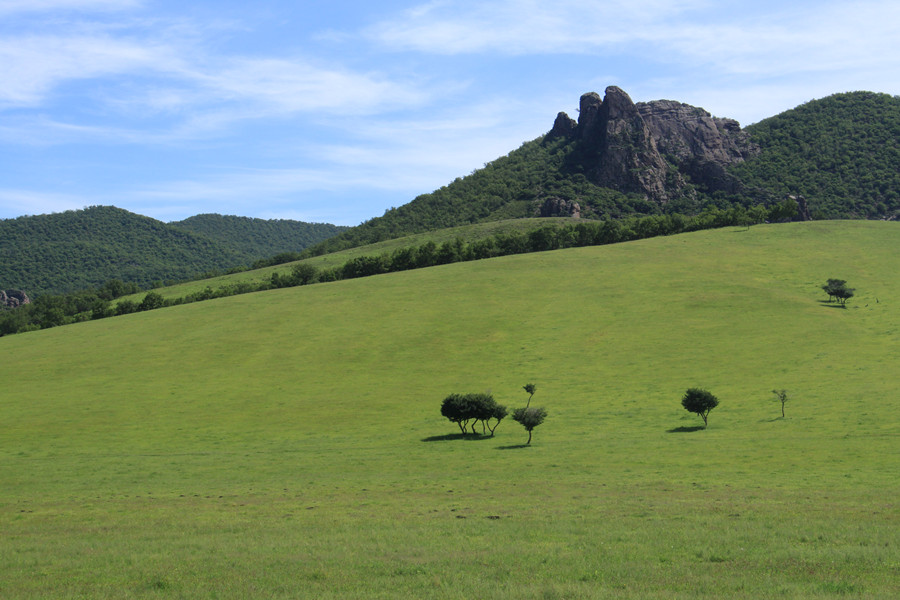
(466, 409)
(79, 249)
(258, 238)
(841, 153)
(699, 401)
(529, 418)
(301, 274)
(837, 290)
(75, 250)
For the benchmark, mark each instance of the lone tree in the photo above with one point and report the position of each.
(529, 418)
(531, 389)
(781, 396)
(837, 290)
(699, 401)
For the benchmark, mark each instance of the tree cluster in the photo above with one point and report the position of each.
(467, 410)
(837, 290)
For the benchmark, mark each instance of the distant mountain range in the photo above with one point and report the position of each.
(839, 156)
(79, 249)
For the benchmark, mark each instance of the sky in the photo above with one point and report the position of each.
(334, 112)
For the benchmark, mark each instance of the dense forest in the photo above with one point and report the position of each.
(79, 249)
(259, 238)
(842, 153)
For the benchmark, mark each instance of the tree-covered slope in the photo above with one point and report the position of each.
(73, 250)
(510, 187)
(84, 248)
(259, 238)
(841, 152)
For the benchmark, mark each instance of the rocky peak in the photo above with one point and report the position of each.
(619, 149)
(564, 126)
(648, 148)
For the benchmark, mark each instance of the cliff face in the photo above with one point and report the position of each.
(653, 148)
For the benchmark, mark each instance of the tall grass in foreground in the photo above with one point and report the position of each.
(289, 443)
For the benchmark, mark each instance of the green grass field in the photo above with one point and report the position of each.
(467, 233)
(289, 443)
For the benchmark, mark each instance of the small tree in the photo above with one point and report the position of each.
(529, 418)
(456, 408)
(699, 401)
(781, 396)
(530, 388)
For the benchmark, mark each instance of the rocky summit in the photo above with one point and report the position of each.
(654, 148)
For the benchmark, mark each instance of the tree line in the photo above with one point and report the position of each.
(53, 310)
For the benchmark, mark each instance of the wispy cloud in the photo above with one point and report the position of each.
(792, 37)
(525, 26)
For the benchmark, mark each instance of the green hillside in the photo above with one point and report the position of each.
(259, 238)
(79, 249)
(289, 443)
(841, 152)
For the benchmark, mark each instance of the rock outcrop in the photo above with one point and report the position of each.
(13, 298)
(558, 207)
(654, 148)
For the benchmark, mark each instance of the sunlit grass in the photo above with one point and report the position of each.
(289, 443)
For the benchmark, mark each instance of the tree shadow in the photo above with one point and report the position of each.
(469, 437)
(686, 429)
(830, 304)
(513, 447)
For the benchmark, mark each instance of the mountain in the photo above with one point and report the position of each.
(839, 154)
(78, 249)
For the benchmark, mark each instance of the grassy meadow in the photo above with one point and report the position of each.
(467, 233)
(289, 443)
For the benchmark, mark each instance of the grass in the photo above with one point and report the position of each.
(467, 233)
(289, 444)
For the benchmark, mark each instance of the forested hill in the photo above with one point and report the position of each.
(259, 238)
(73, 250)
(841, 153)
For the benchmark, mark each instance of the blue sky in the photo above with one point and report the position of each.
(336, 111)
